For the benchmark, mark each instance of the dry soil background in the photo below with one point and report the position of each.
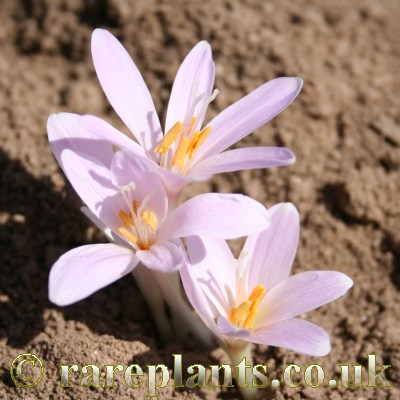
(344, 129)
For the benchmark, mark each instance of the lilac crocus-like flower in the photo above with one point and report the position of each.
(130, 204)
(253, 298)
(188, 150)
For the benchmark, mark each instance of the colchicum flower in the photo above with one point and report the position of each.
(189, 150)
(130, 204)
(253, 299)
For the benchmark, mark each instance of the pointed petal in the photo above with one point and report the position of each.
(102, 129)
(111, 236)
(197, 72)
(92, 182)
(248, 114)
(65, 132)
(86, 269)
(246, 158)
(125, 89)
(214, 268)
(163, 256)
(128, 167)
(226, 216)
(301, 293)
(294, 334)
(199, 301)
(273, 250)
(174, 182)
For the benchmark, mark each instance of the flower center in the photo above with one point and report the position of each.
(184, 138)
(245, 314)
(139, 224)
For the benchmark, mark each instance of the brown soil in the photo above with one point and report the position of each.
(344, 129)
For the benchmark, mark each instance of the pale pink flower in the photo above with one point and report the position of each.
(189, 150)
(253, 298)
(130, 204)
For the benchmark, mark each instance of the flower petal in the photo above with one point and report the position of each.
(301, 293)
(226, 216)
(199, 301)
(92, 182)
(127, 167)
(102, 129)
(65, 132)
(108, 232)
(272, 251)
(196, 73)
(246, 158)
(163, 256)
(125, 89)
(248, 114)
(295, 334)
(213, 266)
(86, 269)
(225, 328)
(174, 182)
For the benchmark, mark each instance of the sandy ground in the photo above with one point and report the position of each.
(344, 129)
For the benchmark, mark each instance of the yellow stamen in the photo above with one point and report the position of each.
(150, 219)
(168, 139)
(193, 142)
(232, 315)
(192, 123)
(245, 314)
(242, 312)
(130, 236)
(198, 140)
(250, 319)
(186, 146)
(136, 205)
(203, 136)
(256, 295)
(126, 218)
(181, 152)
(137, 222)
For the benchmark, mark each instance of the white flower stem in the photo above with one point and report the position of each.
(178, 306)
(237, 350)
(179, 325)
(155, 301)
